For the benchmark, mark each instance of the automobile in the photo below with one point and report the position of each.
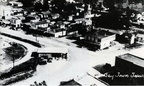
(43, 60)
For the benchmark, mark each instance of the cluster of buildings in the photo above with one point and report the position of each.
(55, 24)
(46, 21)
(127, 67)
(11, 14)
(87, 79)
(80, 22)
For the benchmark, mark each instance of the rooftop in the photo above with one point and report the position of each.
(40, 22)
(100, 33)
(133, 59)
(46, 13)
(88, 80)
(53, 50)
(70, 83)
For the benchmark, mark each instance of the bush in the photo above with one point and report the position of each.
(24, 67)
(19, 77)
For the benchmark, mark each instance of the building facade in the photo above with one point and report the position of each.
(16, 22)
(101, 38)
(43, 24)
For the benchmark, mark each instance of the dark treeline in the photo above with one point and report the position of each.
(27, 3)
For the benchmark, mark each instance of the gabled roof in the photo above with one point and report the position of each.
(100, 33)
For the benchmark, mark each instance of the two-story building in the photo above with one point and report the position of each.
(101, 38)
(58, 29)
(16, 22)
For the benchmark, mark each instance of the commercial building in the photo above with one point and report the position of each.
(101, 38)
(51, 53)
(57, 32)
(127, 37)
(57, 29)
(128, 63)
(43, 24)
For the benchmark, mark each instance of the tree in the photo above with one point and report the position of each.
(38, 6)
(70, 8)
(109, 4)
(45, 6)
(27, 3)
(59, 4)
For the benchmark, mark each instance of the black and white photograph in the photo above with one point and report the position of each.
(71, 42)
